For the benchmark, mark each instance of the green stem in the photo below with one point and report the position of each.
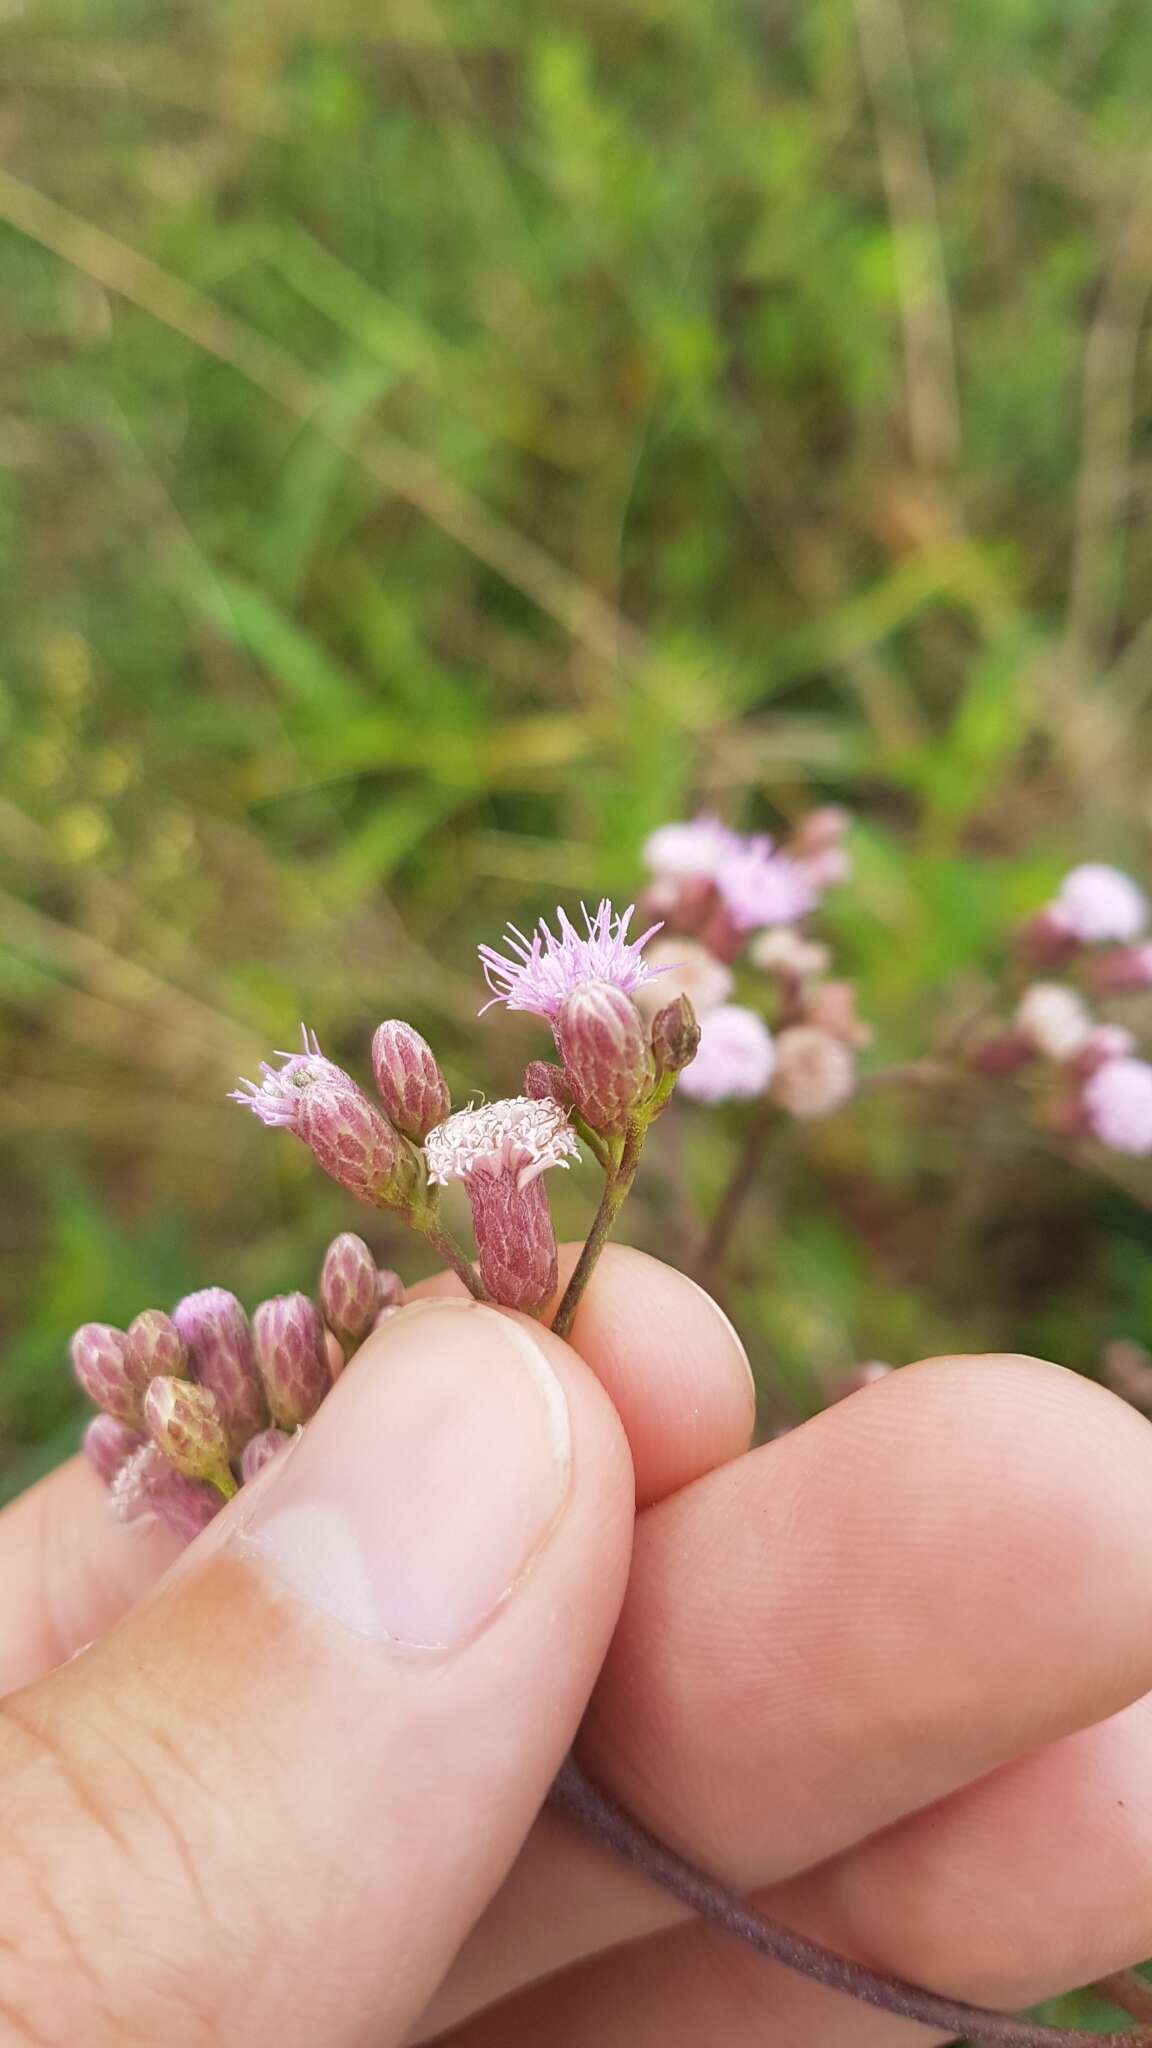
(617, 1187)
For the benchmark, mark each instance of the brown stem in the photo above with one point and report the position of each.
(575, 1794)
(443, 1242)
(617, 1185)
(910, 1074)
(741, 1182)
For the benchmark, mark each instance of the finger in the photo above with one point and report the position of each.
(1025, 1885)
(670, 1361)
(68, 1570)
(841, 1628)
(273, 1800)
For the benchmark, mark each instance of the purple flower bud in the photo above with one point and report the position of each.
(184, 1421)
(357, 1147)
(675, 1036)
(156, 1346)
(147, 1488)
(515, 1240)
(544, 1081)
(1125, 971)
(106, 1369)
(215, 1331)
(348, 1288)
(108, 1444)
(288, 1337)
(389, 1289)
(260, 1452)
(604, 1046)
(408, 1079)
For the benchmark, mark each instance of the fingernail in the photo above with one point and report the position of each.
(421, 1492)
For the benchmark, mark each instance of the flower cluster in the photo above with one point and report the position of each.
(1092, 931)
(727, 898)
(194, 1404)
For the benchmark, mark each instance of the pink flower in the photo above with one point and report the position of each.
(1053, 1020)
(1123, 972)
(694, 848)
(736, 1057)
(545, 968)
(522, 1137)
(686, 968)
(278, 1097)
(758, 886)
(1116, 1103)
(815, 1072)
(1096, 903)
(501, 1151)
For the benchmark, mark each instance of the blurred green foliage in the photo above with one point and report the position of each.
(439, 442)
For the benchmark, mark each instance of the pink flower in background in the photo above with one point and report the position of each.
(759, 887)
(685, 968)
(815, 1072)
(696, 847)
(1053, 1020)
(278, 1097)
(545, 968)
(736, 1057)
(1096, 903)
(1116, 1103)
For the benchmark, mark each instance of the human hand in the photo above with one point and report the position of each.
(890, 1667)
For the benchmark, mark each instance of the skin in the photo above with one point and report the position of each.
(890, 1674)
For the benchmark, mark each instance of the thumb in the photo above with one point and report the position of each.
(271, 1804)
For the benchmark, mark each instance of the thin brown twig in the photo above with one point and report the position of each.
(730, 1207)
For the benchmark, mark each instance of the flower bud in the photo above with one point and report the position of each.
(1126, 970)
(147, 1488)
(288, 1339)
(832, 1006)
(675, 1036)
(389, 1290)
(349, 1288)
(408, 1079)
(544, 1081)
(1116, 1106)
(1004, 1053)
(603, 1044)
(815, 1073)
(515, 1240)
(156, 1346)
(359, 1149)
(184, 1421)
(260, 1452)
(109, 1374)
(1127, 1370)
(215, 1331)
(108, 1444)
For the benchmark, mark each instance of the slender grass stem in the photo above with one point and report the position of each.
(617, 1186)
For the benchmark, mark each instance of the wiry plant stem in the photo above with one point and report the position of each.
(575, 1794)
(443, 1242)
(617, 1186)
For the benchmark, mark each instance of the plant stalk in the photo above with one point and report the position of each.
(573, 1793)
(443, 1242)
(617, 1186)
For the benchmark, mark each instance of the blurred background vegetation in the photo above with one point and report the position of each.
(439, 441)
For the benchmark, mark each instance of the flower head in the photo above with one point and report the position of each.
(686, 968)
(759, 886)
(546, 968)
(1053, 1019)
(695, 847)
(603, 1042)
(815, 1072)
(278, 1097)
(520, 1137)
(1096, 903)
(736, 1056)
(1116, 1104)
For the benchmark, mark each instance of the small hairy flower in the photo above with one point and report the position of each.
(736, 1056)
(782, 950)
(408, 1079)
(544, 1081)
(357, 1147)
(1053, 1020)
(288, 1339)
(278, 1097)
(815, 1072)
(603, 1042)
(261, 1451)
(109, 1373)
(108, 1444)
(1125, 971)
(185, 1422)
(1096, 903)
(759, 886)
(148, 1489)
(675, 1036)
(348, 1288)
(1116, 1105)
(686, 968)
(500, 1151)
(545, 969)
(690, 849)
(215, 1330)
(155, 1346)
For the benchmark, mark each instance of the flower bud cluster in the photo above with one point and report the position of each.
(728, 899)
(195, 1404)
